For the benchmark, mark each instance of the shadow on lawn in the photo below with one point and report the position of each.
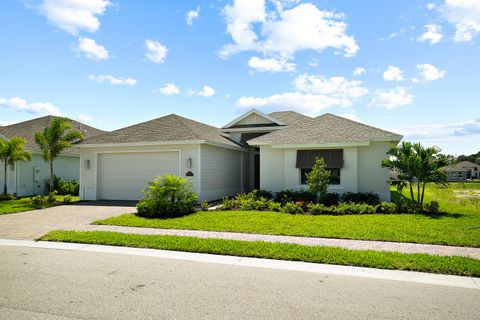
(397, 196)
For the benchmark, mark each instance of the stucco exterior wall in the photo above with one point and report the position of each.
(371, 176)
(88, 177)
(221, 172)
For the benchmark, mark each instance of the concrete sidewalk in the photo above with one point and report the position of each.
(307, 241)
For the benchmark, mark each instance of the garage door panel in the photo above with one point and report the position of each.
(122, 176)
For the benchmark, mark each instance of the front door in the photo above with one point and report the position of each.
(256, 172)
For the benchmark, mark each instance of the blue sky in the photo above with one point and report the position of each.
(407, 66)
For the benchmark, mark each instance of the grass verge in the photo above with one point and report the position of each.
(23, 204)
(375, 259)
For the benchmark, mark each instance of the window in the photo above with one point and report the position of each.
(334, 176)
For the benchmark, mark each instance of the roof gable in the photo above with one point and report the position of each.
(253, 118)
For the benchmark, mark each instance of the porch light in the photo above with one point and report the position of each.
(189, 162)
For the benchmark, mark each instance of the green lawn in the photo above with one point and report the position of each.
(461, 226)
(375, 259)
(23, 204)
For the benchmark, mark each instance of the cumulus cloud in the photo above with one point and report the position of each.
(113, 80)
(168, 89)
(280, 33)
(206, 91)
(90, 49)
(393, 73)
(390, 99)
(442, 130)
(85, 118)
(74, 16)
(38, 108)
(312, 94)
(358, 71)
(429, 72)
(464, 15)
(193, 15)
(156, 52)
(270, 65)
(433, 34)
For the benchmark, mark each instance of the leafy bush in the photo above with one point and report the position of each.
(63, 187)
(38, 200)
(361, 197)
(405, 205)
(319, 208)
(205, 205)
(292, 208)
(293, 196)
(67, 198)
(167, 196)
(263, 194)
(330, 199)
(227, 204)
(432, 207)
(274, 206)
(52, 197)
(354, 208)
(8, 197)
(386, 208)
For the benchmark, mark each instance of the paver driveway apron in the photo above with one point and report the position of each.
(33, 224)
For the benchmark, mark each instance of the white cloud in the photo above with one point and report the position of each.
(85, 118)
(168, 89)
(313, 93)
(206, 91)
(91, 49)
(38, 108)
(433, 34)
(430, 72)
(156, 52)
(431, 6)
(352, 115)
(442, 130)
(415, 80)
(270, 65)
(464, 15)
(358, 71)
(392, 98)
(280, 33)
(4, 123)
(393, 74)
(113, 80)
(74, 16)
(193, 15)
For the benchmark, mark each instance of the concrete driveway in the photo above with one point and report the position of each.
(33, 224)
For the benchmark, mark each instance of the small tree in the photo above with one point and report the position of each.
(318, 178)
(12, 151)
(58, 136)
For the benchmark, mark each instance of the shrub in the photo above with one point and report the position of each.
(38, 200)
(263, 194)
(361, 197)
(247, 204)
(318, 177)
(292, 208)
(386, 208)
(274, 206)
(52, 197)
(205, 205)
(227, 204)
(63, 187)
(8, 197)
(355, 208)
(432, 207)
(318, 209)
(293, 196)
(330, 199)
(405, 205)
(167, 196)
(67, 198)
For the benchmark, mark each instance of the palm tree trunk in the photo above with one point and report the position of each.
(411, 191)
(51, 176)
(418, 192)
(5, 181)
(423, 192)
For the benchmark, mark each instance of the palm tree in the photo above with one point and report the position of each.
(58, 136)
(12, 151)
(417, 165)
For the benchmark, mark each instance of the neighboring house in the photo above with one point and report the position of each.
(462, 171)
(256, 150)
(32, 177)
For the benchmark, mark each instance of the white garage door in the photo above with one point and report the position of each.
(121, 176)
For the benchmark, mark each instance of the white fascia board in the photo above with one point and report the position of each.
(396, 138)
(321, 145)
(221, 145)
(258, 112)
(157, 143)
(252, 129)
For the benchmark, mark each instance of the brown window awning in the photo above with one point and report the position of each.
(333, 158)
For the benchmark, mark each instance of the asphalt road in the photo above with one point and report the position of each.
(60, 284)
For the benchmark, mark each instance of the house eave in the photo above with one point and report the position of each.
(157, 143)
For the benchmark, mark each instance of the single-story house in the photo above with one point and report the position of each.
(256, 150)
(462, 171)
(32, 177)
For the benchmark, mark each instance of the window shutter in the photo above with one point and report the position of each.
(333, 158)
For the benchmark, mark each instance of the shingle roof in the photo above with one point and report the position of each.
(28, 128)
(461, 166)
(291, 118)
(324, 129)
(167, 128)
